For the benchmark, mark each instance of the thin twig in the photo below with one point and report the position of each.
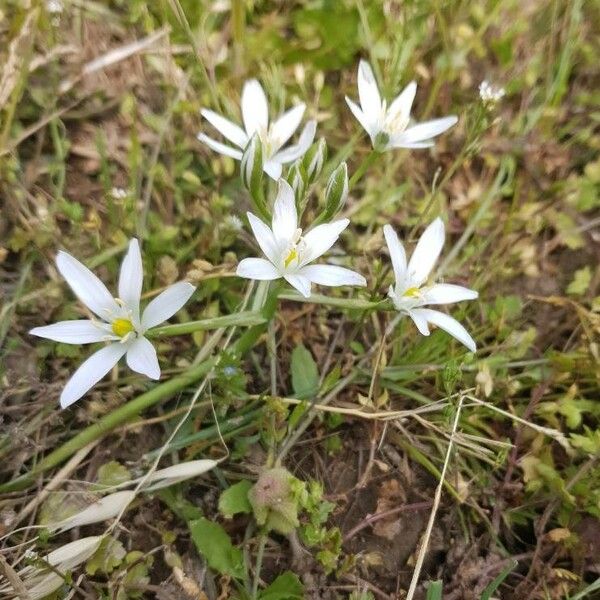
(370, 519)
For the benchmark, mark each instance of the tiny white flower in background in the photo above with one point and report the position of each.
(54, 6)
(119, 321)
(391, 127)
(273, 136)
(118, 193)
(289, 251)
(490, 94)
(234, 222)
(411, 291)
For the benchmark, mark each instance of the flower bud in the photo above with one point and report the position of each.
(273, 502)
(314, 159)
(252, 166)
(297, 182)
(336, 191)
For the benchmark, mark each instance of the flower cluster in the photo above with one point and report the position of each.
(290, 250)
(490, 94)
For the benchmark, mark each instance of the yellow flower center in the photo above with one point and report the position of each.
(122, 327)
(292, 255)
(412, 292)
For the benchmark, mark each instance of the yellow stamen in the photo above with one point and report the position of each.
(290, 257)
(122, 327)
(412, 292)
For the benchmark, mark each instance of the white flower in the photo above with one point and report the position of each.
(490, 94)
(118, 193)
(410, 293)
(289, 252)
(255, 115)
(391, 127)
(54, 6)
(120, 322)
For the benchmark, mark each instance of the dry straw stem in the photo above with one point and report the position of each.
(436, 502)
(112, 57)
(18, 587)
(385, 415)
(11, 71)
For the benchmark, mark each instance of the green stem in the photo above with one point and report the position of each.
(109, 422)
(250, 337)
(238, 26)
(262, 542)
(349, 303)
(242, 319)
(366, 163)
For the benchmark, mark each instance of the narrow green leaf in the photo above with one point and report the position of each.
(495, 584)
(247, 318)
(434, 590)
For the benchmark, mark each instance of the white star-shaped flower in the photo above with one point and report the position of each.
(391, 127)
(289, 251)
(119, 321)
(273, 136)
(410, 292)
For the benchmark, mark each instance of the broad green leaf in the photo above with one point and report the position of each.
(581, 282)
(215, 545)
(112, 473)
(107, 558)
(234, 499)
(305, 375)
(286, 587)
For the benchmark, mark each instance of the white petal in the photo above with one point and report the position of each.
(264, 237)
(71, 554)
(400, 107)
(91, 372)
(284, 127)
(295, 151)
(424, 131)
(234, 133)
(131, 278)
(255, 108)
(106, 508)
(367, 124)
(445, 293)
(397, 254)
(285, 216)
(420, 321)
(332, 275)
(322, 237)
(272, 169)
(220, 148)
(415, 145)
(449, 325)
(166, 304)
(75, 332)
(87, 287)
(141, 358)
(257, 268)
(171, 475)
(426, 253)
(300, 282)
(368, 92)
